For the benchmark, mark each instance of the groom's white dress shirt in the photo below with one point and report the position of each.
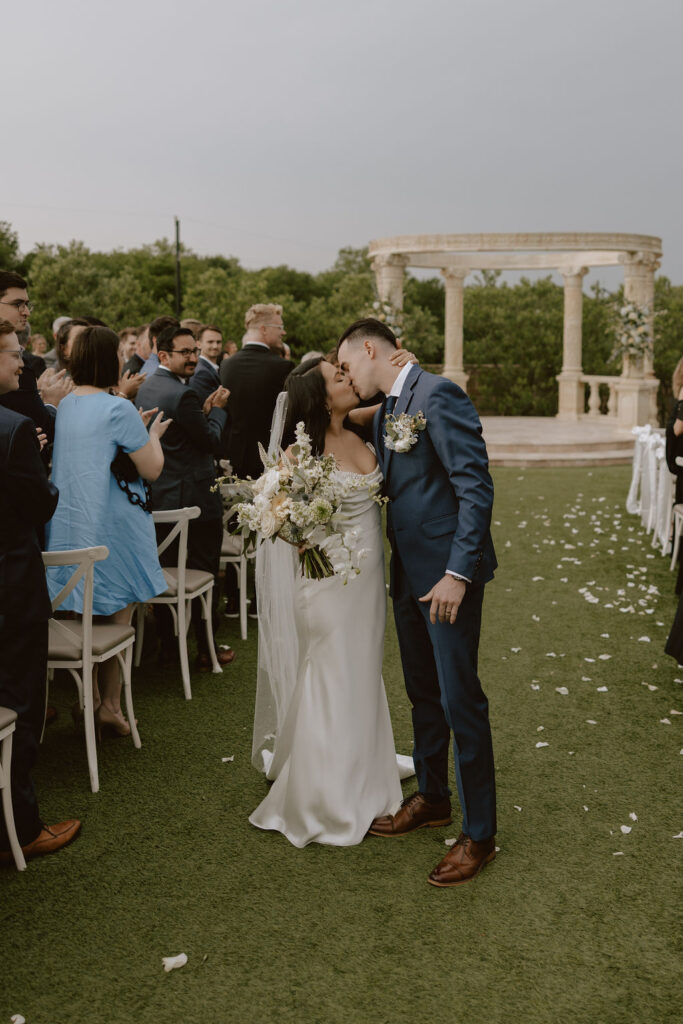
(396, 389)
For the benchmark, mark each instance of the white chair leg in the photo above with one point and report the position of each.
(90, 739)
(125, 661)
(182, 647)
(140, 610)
(243, 596)
(677, 540)
(48, 680)
(205, 598)
(7, 808)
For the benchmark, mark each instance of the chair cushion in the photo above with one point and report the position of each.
(104, 637)
(7, 716)
(195, 579)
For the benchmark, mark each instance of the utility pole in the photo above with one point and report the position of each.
(178, 292)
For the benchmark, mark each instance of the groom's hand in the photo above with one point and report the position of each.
(446, 597)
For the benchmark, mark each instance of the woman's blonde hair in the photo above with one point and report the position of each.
(677, 379)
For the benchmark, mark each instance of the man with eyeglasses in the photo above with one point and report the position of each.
(255, 376)
(15, 308)
(190, 444)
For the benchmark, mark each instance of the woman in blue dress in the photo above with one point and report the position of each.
(92, 427)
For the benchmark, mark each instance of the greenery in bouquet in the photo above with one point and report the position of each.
(298, 500)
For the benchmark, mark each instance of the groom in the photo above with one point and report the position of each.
(440, 498)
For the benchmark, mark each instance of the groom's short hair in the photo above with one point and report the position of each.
(369, 327)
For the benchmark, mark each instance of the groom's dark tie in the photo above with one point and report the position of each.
(389, 405)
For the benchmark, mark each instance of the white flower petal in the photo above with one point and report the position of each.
(17, 1018)
(172, 962)
(515, 650)
(674, 712)
(591, 721)
(562, 689)
(535, 579)
(605, 636)
(665, 721)
(644, 640)
(231, 758)
(585, 808)
(678, 836)
(633, 816)
(516, 807)
(535, 686)
(626, 829)
(618, 853)
(601, 689)
(540, 728)
(604, 657)
(542, 744)
(450, 842)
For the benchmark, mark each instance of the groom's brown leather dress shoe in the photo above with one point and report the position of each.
(415, 812)
(463, 861)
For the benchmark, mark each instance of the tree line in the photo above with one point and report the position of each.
(512, 332)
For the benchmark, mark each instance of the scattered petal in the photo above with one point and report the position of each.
(540, 728)
(536, 618)
(674, 712)
(515, 650)
(601, 689)
(590, 721)
(678, 836)
(665, 721)
(535, 579)
(586, 679)
(633, 816)
(644, 640)
(172, 962)
(231, 758)
(535, 686)
(562, 689)
(541, 744)
(604, 657)
(17, 1018)
(589, 659)
(450, 842)
(551, 654)
(626, 829)
(571, 752)
(516, 807)
(618, 853)
(585, 808)
(605, 636)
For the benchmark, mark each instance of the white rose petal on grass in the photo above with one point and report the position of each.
(551, 654)
(535, 686)
(231, 758)
(665, 721)
(450, 842)
(605, 636)
(562, 689)
(535, 579)
(516, 807)
(601, 689)
(591, 721)
(515, 650)
(536, 618)
(644, 640)
(626, 829)
(678, 836)
(674, 712)
(633, 816)
(17, 1018)
(604, 657)
(585, 808)
(586, 679)
(618, 853)
(592, 660)
(542, 744)
(171, 963)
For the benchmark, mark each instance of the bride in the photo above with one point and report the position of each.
(320, 694)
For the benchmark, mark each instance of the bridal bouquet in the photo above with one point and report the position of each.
(299, 501)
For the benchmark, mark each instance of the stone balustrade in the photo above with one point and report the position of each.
(594, 399)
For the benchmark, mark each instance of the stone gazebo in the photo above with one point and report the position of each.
(632, 396)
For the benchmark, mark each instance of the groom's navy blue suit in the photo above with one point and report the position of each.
(438, 519)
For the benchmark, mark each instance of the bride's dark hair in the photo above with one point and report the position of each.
(307, 401)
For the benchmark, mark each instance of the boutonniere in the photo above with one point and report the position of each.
(402, 430)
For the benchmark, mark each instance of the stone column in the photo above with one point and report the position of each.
(453, 340)
(389, 273)
(571, 391)
(637, 387)
(639, 287)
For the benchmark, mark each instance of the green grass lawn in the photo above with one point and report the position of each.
(574, 921)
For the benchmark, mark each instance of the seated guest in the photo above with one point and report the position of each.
(93, 427)
(190, 445)
(27, 500)
(151, 364)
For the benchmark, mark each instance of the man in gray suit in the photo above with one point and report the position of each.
(190, 445)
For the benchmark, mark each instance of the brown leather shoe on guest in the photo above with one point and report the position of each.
(415, 812)
(463, 861)
(49, 839)
(204, 663)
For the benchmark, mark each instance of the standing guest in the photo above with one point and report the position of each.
(190, 445)
(255, 376)
(127, 339)
(51, 356)
(15, 308)
(205, 378)
(27, 500)
(38, 344)
(151, 364)
(193, 324)
(66, 335)
(93, 427)
(229, 350)
(141, 352)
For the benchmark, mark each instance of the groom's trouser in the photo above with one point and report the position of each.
(440, 668)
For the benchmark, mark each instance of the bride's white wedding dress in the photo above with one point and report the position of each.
(334, 761)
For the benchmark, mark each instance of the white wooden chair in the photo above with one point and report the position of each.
(77, 646)
(184, 585)
(633, 499)
(232, 553)
(7, 721)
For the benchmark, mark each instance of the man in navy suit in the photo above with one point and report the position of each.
(205, 378)
(27, 502)
(438, 517)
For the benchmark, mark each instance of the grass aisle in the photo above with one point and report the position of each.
(574, 921)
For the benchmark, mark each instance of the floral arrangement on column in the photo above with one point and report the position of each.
(632, 332)
(388, 315)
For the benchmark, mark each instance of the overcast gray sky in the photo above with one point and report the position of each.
(282, 131)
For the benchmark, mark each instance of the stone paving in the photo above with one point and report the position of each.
(547, 441)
